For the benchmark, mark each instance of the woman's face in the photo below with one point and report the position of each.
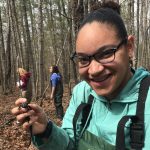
(51, 69)
(105, 79)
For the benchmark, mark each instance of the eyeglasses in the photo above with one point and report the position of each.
(107, 56)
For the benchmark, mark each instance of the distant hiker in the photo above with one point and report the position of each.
(24, 77)
(110, 108)
(56, 90)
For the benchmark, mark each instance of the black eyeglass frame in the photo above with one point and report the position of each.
(114, 50)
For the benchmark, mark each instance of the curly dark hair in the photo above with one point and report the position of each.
(107, 13)
(55, 69)
(109, 4)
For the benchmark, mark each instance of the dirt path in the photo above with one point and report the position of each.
(12, 137)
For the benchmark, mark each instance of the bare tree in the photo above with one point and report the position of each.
(41, 49)
(29, 63)
(137, 36)
(3, 57)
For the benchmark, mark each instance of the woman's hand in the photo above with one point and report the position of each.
(37, 117)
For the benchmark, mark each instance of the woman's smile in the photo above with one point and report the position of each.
(100, 82)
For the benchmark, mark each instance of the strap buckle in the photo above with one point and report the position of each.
(137, 135)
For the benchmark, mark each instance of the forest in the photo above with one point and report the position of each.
(36, 34)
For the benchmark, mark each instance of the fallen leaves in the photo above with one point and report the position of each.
(12, 136)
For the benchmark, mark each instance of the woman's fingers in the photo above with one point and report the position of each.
(29, 123)
(36, 108)
(34, 116)
(18, 110)
(22, 117)
(20, 101)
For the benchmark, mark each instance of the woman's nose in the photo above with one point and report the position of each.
(95, 68)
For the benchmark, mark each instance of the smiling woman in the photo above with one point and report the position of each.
(115, 68)
(108, 91)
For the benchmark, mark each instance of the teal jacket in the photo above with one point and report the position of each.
(105, 115)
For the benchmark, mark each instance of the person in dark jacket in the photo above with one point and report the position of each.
(56, 90)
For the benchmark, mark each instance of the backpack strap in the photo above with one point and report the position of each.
(137, 121)
(85, 109)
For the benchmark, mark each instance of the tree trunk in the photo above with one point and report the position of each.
(41, 49)
(3, 58)
(29, 62)
(137, 41)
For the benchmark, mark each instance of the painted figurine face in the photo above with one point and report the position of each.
(103, 58)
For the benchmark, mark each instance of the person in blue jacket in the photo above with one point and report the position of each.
(103, 54)
(56, 90)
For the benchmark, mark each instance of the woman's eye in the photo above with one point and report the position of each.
(106, 53)
(83, 59)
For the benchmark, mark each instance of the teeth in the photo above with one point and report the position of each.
(100, 80)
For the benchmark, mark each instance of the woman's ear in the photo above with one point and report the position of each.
(130, 46)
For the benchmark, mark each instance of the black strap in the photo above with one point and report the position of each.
(137, 125)
(85, 108)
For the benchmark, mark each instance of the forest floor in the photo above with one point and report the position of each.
(12, 136)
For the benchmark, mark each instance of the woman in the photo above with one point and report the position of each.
(24, 77)
(56, 90)
(103, 55)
